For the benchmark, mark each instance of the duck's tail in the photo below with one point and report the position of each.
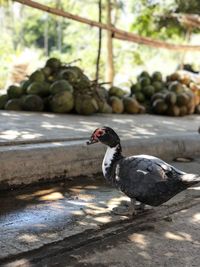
(190, 178)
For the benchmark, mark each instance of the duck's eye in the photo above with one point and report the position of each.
(99, 133)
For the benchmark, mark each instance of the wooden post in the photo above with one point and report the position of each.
(99, 44)
(109, 61)
(46, 35)
(59, 28)
(188, 39)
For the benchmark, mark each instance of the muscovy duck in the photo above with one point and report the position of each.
(142, 178)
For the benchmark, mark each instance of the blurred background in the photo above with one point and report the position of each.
(29, 37)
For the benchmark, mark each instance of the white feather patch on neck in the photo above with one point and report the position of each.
(110, 152)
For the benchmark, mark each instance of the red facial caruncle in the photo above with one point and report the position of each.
(95, 136)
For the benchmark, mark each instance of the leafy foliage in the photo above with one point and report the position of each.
(192, 6)
(152, 18)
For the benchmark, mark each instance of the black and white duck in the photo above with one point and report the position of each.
(143, 178)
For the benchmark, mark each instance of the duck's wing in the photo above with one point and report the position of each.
(149, 179)
(161, 169)
(142, 165)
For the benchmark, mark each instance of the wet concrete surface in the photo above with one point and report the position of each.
(31, 218)
(37, 216)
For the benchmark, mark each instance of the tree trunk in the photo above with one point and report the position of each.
(109, 61)
(46, 35)
(59, 28)
(99, 44)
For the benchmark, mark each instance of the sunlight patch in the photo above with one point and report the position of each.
(179, 236)
(139, 240)
(28, 238)
(104, 219)
(12, 134)
(52, 196)
(196, 218)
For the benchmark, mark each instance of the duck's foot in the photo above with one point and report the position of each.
(130, 208)
(124, 211)
(137, 205)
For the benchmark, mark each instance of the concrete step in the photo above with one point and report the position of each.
(38, 147)
(41, 162)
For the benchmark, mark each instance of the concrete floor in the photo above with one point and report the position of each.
(33, 127)
(33, 219)
(163, 243)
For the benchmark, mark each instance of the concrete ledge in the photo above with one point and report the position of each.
(31, 163)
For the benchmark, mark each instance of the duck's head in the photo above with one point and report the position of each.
(104, 135)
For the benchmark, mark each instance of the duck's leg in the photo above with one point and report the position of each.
(138, 205)
(126, 210)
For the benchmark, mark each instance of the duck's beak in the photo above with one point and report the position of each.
(92, 140)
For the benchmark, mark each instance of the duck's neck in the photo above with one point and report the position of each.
(113, 154)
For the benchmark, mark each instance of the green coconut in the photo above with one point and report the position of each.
(77, 70)
(140, 97)
(82, 83)
(60, 86)
(69, 75)
(13, 104)
(37, 76)
(117, 104)
(135, 88)
(158, 86)
(62, 102)
(3, 100)
(14, 91)
(173, 111)
(53, 63)
(47, 71)
(131, 105)
(32, 103)
(144, 81)
(159, 106)
(157, 76)
(157, 96)
(102, 93)
(174, 77)
(148, 91)
(183, 110)
(170, 98)
(176, 87)
(104, 107)
(116, 91)
(86, 105)
(39, 88)
(183, 99)
(144, 74)
(24, 85)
